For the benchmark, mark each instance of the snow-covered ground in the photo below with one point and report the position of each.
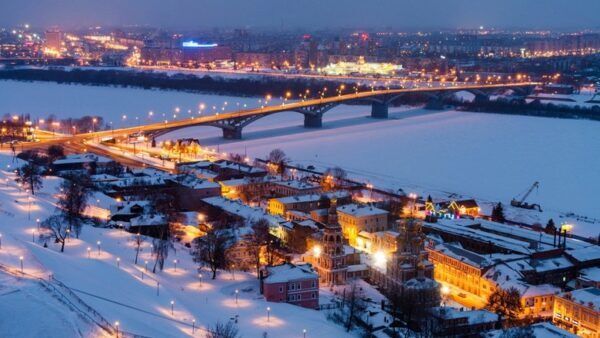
(116, 289)
(47, 316)
(487, 156)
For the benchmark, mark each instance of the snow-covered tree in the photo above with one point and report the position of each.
(498, 213)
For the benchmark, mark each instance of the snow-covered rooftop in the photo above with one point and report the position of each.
(288, 272)
(311, 197)
(236, 207)
(473, 317)
(587, 296)
(357, 210)
(82, 158)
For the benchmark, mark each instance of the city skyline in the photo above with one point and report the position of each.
(189, 14)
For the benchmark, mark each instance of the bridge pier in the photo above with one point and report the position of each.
(379, 110)
(481, 98)
(313, 121)
(232, 134)
(435, 104)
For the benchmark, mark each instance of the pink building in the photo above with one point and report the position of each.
(294, 284)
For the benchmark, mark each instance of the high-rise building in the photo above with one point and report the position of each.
(54, 40)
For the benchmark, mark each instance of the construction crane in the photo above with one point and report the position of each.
(520, 203)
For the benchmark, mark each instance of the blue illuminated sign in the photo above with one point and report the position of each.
(194, 44)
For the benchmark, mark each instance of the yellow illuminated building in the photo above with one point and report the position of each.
(356, 218)
(579, 312)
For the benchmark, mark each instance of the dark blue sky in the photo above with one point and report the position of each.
(306, 13)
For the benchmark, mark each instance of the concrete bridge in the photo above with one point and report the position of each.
(313, 110)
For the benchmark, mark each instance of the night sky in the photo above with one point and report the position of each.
(402, 14)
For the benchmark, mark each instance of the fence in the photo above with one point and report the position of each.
(65, 295)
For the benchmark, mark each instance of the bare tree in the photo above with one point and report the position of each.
(165, 204)
(160, 249)
(210, 248)
(506, 303)
(139, 240)
(30, 176)
(351, 308)
(258, 240)
(57, 229)
(278, 158)
(223, 330)
(74, 200)
(333, 178)
(55, 152)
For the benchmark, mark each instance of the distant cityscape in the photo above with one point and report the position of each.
(465, 55)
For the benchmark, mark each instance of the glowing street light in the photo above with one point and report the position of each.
(98, 246)
(172, 305)
(236, 295)
(193, 326)
(88, 251)
(118, 262)
(445, 292)
(175, 263)
(317, 251)
(380, 259)
(200, 278)
(117, 328)
(21, 260)
(268, 313)
(304, 333)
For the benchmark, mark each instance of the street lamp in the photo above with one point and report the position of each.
(117, 327)
(98, 246)
(193, 325)
(445, 293)
(146, 266)
(172, 304)
(175, 263)
(236, 295)
(200, 278)
(21, 259)
(88, 251)
(118, 262)
(268, 313)
(304, 333)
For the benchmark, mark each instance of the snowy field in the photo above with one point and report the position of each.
(106, 278)
(487, 156)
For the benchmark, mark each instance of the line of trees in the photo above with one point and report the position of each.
(250, 86)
